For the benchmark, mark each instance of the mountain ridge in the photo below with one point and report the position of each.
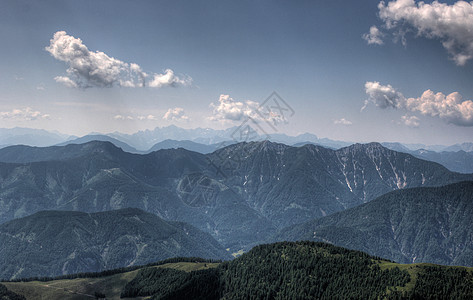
(51, 243)
(240, 193)
(423, 224)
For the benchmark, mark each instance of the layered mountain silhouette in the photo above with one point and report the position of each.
(431, 224)
(104, 138)
(188, 145)
(51, 243)
(241, 194)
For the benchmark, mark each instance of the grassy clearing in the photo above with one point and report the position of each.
(413, 269)
(84, 288)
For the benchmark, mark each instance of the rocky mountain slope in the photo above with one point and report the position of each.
(413, 225)
(240, 194)
(51, 243)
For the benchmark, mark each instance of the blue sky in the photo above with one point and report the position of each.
(210, 63)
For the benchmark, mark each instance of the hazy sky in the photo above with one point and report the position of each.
(350, 70)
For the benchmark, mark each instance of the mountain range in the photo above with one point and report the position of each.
(241, 194)
(427, 224)
(142, 141)
(31, 137)
(52, 243)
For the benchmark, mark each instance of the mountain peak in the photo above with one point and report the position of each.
(364, 147)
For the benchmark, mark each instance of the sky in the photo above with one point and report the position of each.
(357, 71)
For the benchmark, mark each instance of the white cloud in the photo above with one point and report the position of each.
(450, 108)
(451, 24)
(411, 121)
(66, 81)
(96, 69)
(24, 114)
(134, 118)
(169, 79)
(147, 118)
(175, 114)
(229, 110)
(123, 118)
(383, 96)
(342, 121)
(374, 37)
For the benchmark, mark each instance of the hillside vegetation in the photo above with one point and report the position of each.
(52, 243)
(239, 194)
(413, 225)
(287, 270)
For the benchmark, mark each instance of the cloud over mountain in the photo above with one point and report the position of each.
(450, 24)
(96, 69)
(175, 114)
(411, 121)
(228, 109)
(23, 114)
(342, 121)
(451, 108)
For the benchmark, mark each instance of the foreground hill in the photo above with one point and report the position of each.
(413, 225)
(51, 243)
(240, 194)
(302, 270)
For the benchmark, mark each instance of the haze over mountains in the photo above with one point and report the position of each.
(142, 141)
(457, 158)
(105, 204)
(240, 194)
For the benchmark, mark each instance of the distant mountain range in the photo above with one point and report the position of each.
(52, 243)
(431, 224)
(240, 194)
(188, 145)
(30, 137)
(143, 141)
(455, 158)
(458, 161)
(104, 138)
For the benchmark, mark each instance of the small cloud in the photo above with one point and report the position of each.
(134, 118)
(374, 37)
(342, 121)
(175, 114)
(24, 114)
(411, 121)
(96, 69)
(169, 79)
(147, 118)
(18, 77)
(40, 87)
(123, 118)
(382, 96)
(451, 108)
(66, 81)
(450, 24)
